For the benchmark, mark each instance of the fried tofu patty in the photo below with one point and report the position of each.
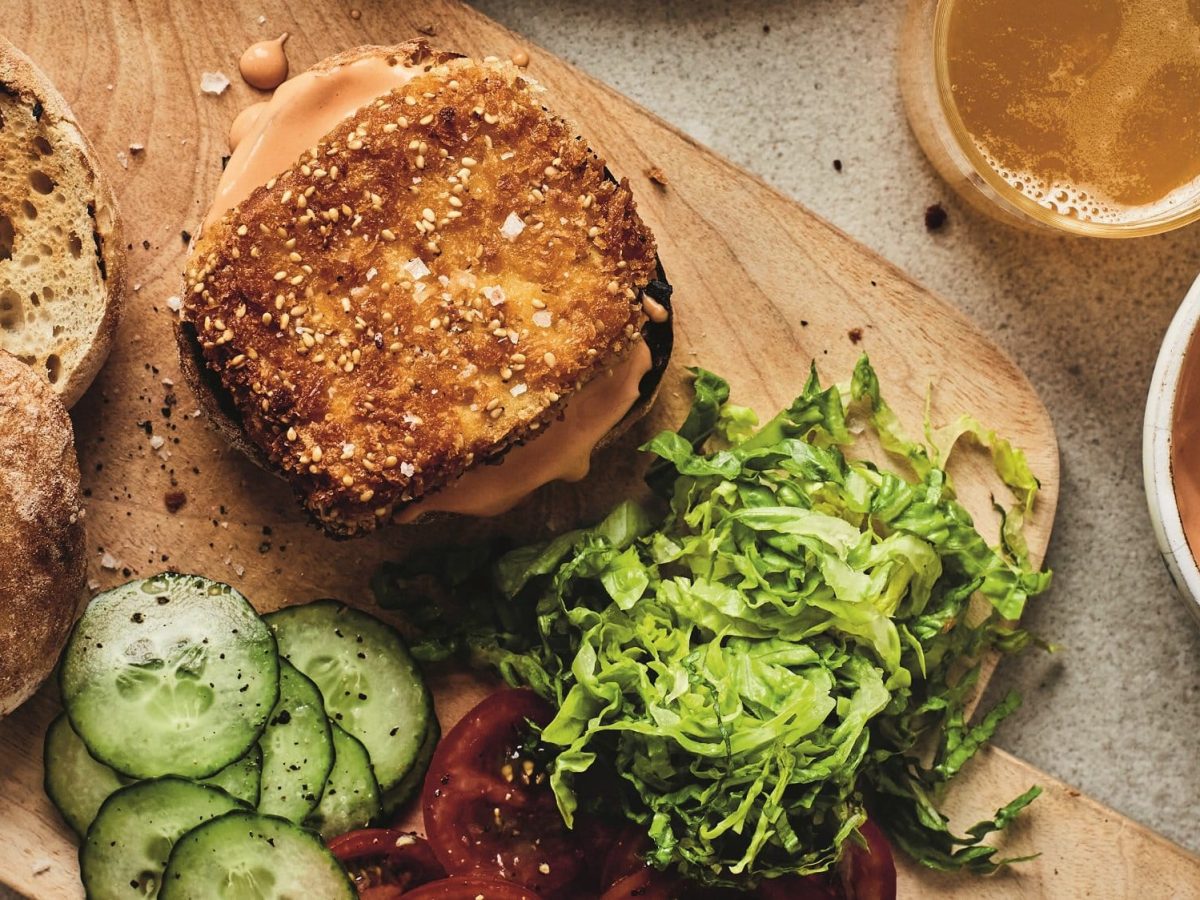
(419, 291)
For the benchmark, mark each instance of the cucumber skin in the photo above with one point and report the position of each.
(272, 800)
(332, 818)
(338, 610)
(174, 888)
(194, 772)
(410, 785)
(67, 806)
(235, 783)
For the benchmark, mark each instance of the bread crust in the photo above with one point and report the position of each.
(20, 76)
(238, 350)
(43, 567)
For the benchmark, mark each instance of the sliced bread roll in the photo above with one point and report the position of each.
(62, 268)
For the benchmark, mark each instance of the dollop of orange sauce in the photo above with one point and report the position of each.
(264, 65)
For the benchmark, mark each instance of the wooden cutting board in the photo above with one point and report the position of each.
(762, 288)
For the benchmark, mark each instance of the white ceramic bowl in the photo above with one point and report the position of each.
(1156, 450)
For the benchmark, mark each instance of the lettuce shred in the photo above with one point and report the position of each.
(786, 648)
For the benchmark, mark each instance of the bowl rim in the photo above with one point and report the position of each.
(1156, 450)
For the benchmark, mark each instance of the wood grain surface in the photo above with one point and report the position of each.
(762, 288)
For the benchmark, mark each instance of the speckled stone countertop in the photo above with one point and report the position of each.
(785, 89)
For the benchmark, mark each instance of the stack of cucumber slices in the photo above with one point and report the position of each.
(205, 751)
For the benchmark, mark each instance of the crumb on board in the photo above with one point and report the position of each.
(657, 175)
(429, 30)
(855, 335)
(837, 165)
(935, 217)
(213, 82)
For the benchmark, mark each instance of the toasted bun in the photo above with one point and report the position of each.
(272, 394)
(43, 566)
(62, 266)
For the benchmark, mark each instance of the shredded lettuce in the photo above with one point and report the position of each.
(788, 646)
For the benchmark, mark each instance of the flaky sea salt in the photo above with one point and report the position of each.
(512, 226)
(416, 268)
(213, 82)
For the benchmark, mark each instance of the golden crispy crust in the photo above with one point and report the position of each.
(420, 292)
(43, 567)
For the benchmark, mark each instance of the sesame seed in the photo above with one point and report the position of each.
(242, 230)
(317, 453)
(387, 234)
(497, 412)
(280, 275)
(347, 480)
(549, 359)
(426, 120)
(613, 287)
(428, 215)
(537, 304)
(291, 434)
(266, 318)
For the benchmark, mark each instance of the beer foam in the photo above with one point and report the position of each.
(1085, 203)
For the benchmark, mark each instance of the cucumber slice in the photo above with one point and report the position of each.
(371, 685)
(241, 779)
(351, 798)
(255, 857)
(297, 749)
(171, 675)
(76, 782)
(128, 844)
(403, 790)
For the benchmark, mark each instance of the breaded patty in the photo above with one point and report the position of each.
(420, 290)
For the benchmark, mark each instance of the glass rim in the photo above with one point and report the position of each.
(1159, 223)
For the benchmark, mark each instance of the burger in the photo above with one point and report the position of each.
(419, 292)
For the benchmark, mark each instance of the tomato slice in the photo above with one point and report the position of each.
(869, 873)
(646, 883)
(796, 887)
(471, 887)
(487, 801)
(384, 863)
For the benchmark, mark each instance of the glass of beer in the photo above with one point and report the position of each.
(1077, 115)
